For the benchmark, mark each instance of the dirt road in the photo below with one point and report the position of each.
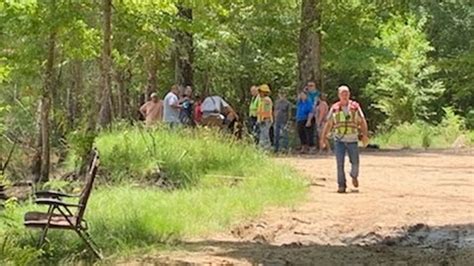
(411, 209)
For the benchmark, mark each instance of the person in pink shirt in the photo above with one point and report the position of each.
(152, 110)
(322, 113)
(197, 111)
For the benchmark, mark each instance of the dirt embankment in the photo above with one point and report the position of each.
(411, 209)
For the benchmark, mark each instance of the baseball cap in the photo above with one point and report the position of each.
(343, 88)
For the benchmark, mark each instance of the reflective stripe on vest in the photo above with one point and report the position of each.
(265, 109)
(346, 124)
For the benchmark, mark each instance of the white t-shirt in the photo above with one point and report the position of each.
(213, 104)
(170, 113)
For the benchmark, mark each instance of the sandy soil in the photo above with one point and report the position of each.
(412, 208)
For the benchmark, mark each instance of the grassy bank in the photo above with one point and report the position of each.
(128, 215)
(450, 133)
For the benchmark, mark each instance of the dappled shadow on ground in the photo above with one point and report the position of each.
(415, 245)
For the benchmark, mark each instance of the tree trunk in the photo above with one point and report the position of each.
(152, 80)
(105, 113)
(120, 94)
(74, 92)
(184, 53)
(309, 53)
(45, 140)
(122, 78)
(36, 162)
(45, 107)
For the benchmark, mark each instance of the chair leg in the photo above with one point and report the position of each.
(89, 242)
(45, 229)
(42, 237)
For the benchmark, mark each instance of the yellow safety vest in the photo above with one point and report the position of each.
(253, 108)
(346, 123)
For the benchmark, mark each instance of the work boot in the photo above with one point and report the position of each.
(341, 190)
(355, 182)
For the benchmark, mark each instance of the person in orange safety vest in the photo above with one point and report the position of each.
(265, 116)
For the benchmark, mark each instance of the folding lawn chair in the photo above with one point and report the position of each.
(59, 215)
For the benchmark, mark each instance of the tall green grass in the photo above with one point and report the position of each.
(423, 135)
(181, 155)
(126, 217)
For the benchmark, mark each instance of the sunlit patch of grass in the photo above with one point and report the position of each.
(423, 135)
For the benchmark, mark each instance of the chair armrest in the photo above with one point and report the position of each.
(53, 194)
(56, 202)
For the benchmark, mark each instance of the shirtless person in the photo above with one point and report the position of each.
(152, 110)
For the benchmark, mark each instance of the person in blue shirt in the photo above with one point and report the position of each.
(304, 117)
(313, 92)
(313, 96)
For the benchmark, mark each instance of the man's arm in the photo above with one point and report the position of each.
(230, 112)
(143, 109)
(323, 111)
(311, 115)
(160, 115)
(364, 128)
(319, 119)
(324, 134)
(175, 103)
(310, 118)
(275, 114)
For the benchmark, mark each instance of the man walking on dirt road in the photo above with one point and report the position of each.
(347, 120)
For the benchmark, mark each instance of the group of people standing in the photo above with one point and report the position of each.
(181, 107)
(314, 120)
(311, 112)
(269, 122)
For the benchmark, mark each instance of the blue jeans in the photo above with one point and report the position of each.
(264, 137)
(253, 128)
(352, 149)
(280, 133)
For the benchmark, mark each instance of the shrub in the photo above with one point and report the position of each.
(181, 156)
(403, 87)
(451, 127)
(12, 242)
(420, 134)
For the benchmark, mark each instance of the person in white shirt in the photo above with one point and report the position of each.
(216, 112)
(171, 107)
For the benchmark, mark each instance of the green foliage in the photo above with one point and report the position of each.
(127, 218)
(423, 135)
(403, 88)
(12, 248)
(3, 110)
(136, 153)
(450, 31)
(470, 119)
(80, 143)
(452, 125)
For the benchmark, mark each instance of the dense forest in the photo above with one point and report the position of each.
(69, 68)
